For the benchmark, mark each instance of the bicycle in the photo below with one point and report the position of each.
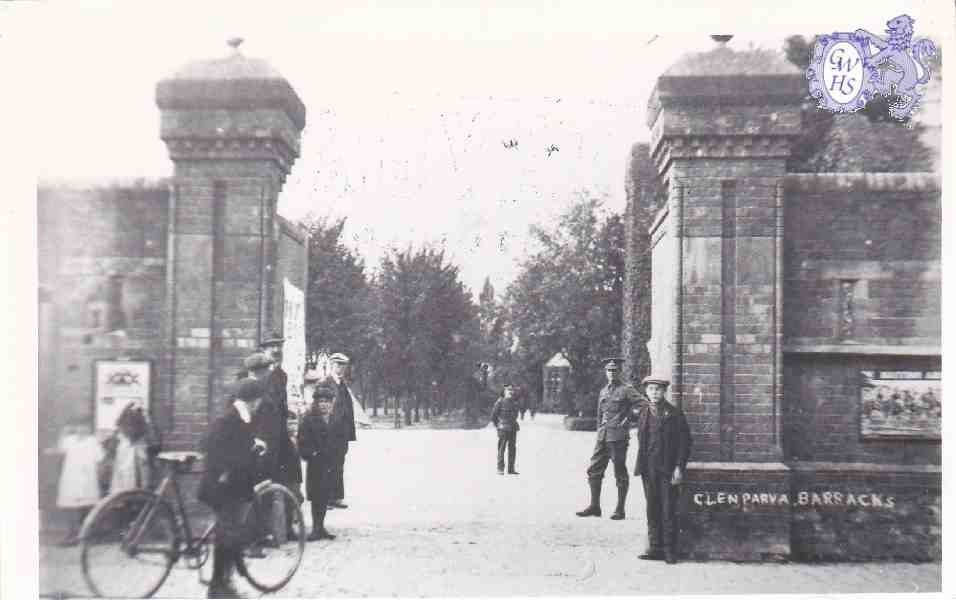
(132, 539)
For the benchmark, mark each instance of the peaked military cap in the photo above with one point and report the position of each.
(613, 363)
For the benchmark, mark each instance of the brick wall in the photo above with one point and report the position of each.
(102, 264)
(822, 415)
(879, 235)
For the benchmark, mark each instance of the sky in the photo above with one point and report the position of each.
(408, 106)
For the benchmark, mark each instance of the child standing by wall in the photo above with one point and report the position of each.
(79, 487)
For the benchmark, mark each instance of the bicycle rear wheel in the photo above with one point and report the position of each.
(273, 523)
(129, 545)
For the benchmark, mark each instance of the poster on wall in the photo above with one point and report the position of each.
(117, 384)
(901, 404)
(293, 330)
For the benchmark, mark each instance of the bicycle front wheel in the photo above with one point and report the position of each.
(129, 545)
(275, 535)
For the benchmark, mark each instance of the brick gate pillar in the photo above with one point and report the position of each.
(721, 127)
(232, 127)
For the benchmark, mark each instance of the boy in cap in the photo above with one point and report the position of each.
(342, 421)
(616, 402)
(504, 416)
(316, 446)
(229, 479)
(663, 447)
(269, 423)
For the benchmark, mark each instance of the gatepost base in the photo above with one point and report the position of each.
(735, 511)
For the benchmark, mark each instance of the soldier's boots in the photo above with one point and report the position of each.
(621, 498)
(594, 509)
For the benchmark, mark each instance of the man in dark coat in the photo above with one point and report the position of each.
(342, 422)
(663, 449)
(269, 422)
(316, 446)
(504, 416)
(616, 402)
(229, 479)
(289, 463)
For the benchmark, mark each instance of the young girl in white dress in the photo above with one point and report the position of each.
(79, 487)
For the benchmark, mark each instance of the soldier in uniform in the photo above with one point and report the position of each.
(504, 416)
(616, 402)
(663, 447)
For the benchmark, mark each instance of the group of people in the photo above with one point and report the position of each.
(251, 442)
(663, 450)
(94, 466)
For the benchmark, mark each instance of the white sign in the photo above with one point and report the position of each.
(293, 330)
(118, 383)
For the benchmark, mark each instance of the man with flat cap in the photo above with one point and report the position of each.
(663, 447)
(616, 403)
(342, 424)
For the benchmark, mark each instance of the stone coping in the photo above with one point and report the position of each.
(873, 182)
(866, 349)
(865, 467)
(738, 466)
(805, 467)
(293, 230)
(108, 182)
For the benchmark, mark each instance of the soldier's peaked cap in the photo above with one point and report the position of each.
(340, 358)
(613, 363)
(659, 380)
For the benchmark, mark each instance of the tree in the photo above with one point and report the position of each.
(341, 312)
(869, 140)
(568, 296)
(430, 326)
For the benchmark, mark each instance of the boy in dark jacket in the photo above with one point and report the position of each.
(317, 445)
(663, 449)
(229, 479)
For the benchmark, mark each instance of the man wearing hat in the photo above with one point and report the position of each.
(317, 448)
(269, 423)
(616, 403)
(342, 422)
(663, 447)
(504, 416)
(229, 478)
(289, 464)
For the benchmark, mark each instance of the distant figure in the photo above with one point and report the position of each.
(79, 487)
(504, 416)
(522, 398)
